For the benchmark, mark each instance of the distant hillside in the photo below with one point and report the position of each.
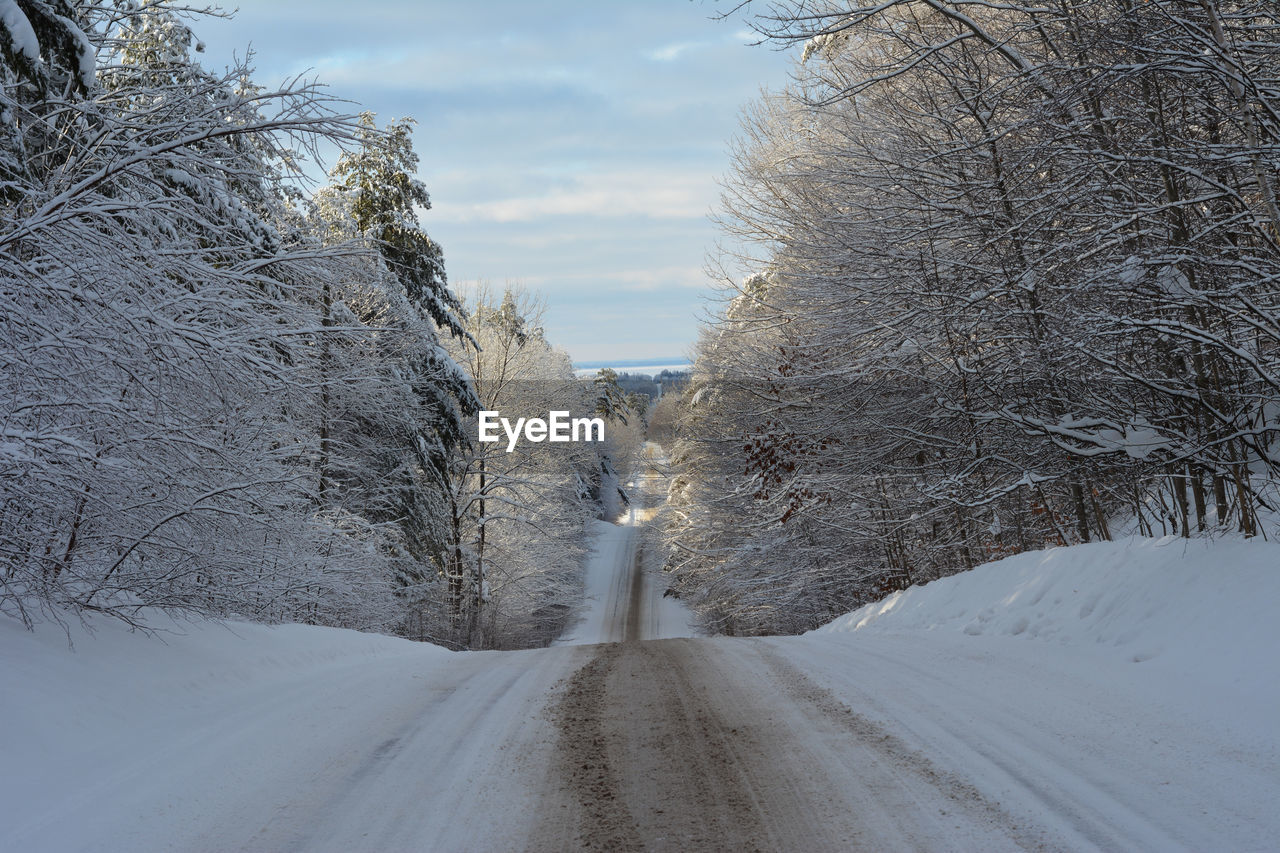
(651, 367)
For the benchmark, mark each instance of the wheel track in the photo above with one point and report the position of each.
(724, 746)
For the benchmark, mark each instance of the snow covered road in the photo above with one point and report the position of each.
(310, 739)
(684, 744)
(725, 745)
(624, 584)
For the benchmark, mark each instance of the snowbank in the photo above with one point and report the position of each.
(124, 711)
(1188, 606)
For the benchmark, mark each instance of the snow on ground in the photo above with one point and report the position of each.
(609, 575)
(215, 737)
(1123, 695)
(1110, 696)
(209, 736)
(116, 719)
(666, 617)
(670, 617)
(603, 592)
(1197, 609)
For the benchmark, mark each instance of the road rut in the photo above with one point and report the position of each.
(720, 745)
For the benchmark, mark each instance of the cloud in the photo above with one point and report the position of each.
(649, 196)
(575, 152)
(649, 280)
(671, 52)
(661, 278)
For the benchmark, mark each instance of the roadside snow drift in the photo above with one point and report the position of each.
(1119, 695)
(1196, 608)
(148, 734)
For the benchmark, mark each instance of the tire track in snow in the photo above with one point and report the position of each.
(1044, 775)
(899, 754)
(635, 625)
(598, 819)
(724, 746)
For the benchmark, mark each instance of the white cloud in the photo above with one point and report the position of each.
(660, 196)
(631, 281)
(671, 52)
(576, 154)
(658, 278)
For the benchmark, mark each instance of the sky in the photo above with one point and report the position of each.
(570, 147)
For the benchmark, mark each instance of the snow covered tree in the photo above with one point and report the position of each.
(46, 58)
(519, 512)
(166, 338)
(1008, 283)
(385, 446)
(384, 197)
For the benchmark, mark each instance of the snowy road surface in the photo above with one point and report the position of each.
(307, 739)
(624, 585)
